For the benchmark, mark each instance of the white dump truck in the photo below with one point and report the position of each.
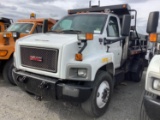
(83, 56)
(150, 107)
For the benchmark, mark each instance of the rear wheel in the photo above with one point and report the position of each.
(98, 102)
(7, 72)
(137, 74)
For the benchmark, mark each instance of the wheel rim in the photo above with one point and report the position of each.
(103, 94)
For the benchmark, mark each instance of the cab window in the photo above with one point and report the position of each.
(112, 28)
(20, 27)
(38, 29)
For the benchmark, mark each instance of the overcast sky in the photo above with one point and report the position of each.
(17, 9)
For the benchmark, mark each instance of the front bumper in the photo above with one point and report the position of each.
(152, 107)
(51, 87)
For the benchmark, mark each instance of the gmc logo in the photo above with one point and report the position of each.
(35, 58)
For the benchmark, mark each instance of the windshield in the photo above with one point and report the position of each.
(87, 23)
(20, 27)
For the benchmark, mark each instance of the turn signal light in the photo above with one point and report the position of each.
(78, 57)
(89, 36)
(3, 53)
(153, 37)
(7, 35)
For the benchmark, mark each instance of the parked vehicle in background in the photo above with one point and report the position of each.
(153, 48)
(83, 56)
(21, 28)
(150, 107)
(5, 23)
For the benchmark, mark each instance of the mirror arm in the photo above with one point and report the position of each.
(114, 40)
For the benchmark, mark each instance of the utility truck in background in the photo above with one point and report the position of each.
(150, 106)
(5, 23)
(21, 28)
(83, 56)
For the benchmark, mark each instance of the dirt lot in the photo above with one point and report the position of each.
(18, 105)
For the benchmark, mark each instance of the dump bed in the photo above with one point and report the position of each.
(6, 20)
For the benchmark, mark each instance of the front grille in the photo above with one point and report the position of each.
(39, 58)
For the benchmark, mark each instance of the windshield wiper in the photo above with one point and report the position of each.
(66, 31)
(71, 31)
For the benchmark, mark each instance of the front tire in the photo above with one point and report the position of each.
(143, 114)
(7, 72)
(98, 102)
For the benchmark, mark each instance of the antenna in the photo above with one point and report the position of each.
(99, 3)
(90, 3)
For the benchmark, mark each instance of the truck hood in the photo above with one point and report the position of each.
(154, 65)
(48, 40)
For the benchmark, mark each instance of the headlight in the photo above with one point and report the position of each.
(4, 35)
(14, 34)
(7, 35)
(156, 84)
(82, 72)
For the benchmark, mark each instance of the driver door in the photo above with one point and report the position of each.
(113, 32)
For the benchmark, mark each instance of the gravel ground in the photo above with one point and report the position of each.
(15, 104)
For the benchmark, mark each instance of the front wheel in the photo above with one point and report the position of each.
(143, 114)
(98, 102)
(7, 72)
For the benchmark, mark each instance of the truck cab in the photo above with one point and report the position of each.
(150, 104)
(19, 29)
(5, 23)
(82, 57)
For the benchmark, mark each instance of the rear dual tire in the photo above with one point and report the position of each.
(137, 74)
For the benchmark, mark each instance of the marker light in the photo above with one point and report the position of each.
(32, 15)
(153, 37)
(124, 6)
(87, 36)
(78, 57)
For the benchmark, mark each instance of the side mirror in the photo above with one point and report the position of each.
(45, 26)
(126, 24)
(153, 22)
